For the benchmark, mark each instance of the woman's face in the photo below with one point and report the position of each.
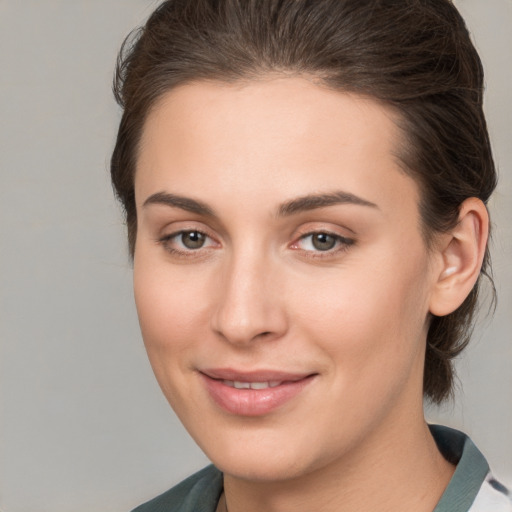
(281, 279)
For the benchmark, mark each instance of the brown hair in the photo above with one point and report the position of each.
(415, 55)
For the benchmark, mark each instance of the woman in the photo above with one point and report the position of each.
(305, 187)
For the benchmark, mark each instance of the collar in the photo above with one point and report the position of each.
(470, 473)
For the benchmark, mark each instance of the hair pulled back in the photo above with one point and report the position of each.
(414, 55)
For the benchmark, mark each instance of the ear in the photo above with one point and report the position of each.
(461, 252)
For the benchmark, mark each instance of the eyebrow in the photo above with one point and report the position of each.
(313, 201)
(300, 204)
(184, 203)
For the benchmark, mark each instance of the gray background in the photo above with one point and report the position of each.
(84, 427)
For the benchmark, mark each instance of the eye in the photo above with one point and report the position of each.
(186, 241)
(322, 241)
(192, 239)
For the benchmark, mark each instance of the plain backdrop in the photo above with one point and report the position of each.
(84, 427)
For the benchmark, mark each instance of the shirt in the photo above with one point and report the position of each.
(472, 487)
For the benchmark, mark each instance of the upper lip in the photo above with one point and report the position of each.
(253, 376)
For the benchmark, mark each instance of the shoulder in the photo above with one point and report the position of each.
(198, 493)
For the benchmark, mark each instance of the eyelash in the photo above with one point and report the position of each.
(341, 244)
(166, 240)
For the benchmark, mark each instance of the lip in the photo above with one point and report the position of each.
(253, 402)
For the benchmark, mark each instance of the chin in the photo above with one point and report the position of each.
(265, 458)
(270, 470)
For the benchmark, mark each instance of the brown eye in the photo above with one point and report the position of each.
(193, 239)
(323, 241)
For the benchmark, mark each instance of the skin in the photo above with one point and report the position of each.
(260, 295)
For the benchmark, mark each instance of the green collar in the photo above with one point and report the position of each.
(471, 470)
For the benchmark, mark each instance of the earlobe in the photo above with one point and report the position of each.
(461, 256)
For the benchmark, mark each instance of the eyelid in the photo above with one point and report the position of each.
(179, 226)
(166, 241)
(342, 243)
(179, 232)
(337, 236)
(335, 230)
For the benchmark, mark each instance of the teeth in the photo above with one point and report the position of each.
(259, 385)
(252, 385)
(242, 385)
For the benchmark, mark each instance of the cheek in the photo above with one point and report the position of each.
(172, 321)
(172, 311)
(371, 319)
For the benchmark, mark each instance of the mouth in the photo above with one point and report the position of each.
(253, 393)
(237, 384)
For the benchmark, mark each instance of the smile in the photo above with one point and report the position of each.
(251, 385)
(254, 393)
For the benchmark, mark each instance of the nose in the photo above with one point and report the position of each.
(249, 303)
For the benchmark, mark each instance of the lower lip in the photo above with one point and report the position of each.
(253, 402)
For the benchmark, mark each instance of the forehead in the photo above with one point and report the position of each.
(269, 137)
(274, 110)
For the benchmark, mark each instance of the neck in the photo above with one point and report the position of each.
(398, 469)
